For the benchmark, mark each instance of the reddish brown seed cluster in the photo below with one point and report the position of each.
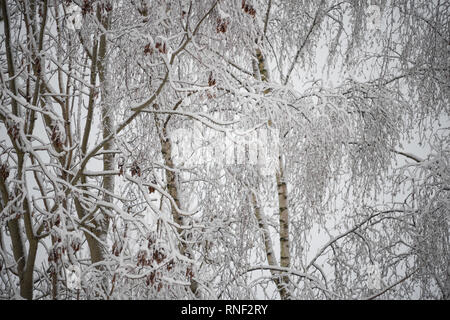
(222, 25)
(152, 256)
(248, 8)
(150, 241)
(55, 254)
(56, 220)
(210, 95)
(189, 273)
(151, 189)
(211, 80)
(148, 49)
(150, 279)
(87, 7)
(75, 244)
(142, 258)
(170, 265)
(161, 47)
(135, 169)
(146, 259)
(154, 277)
(158, 256)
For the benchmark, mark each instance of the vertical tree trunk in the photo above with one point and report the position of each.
(285, 257)
(271, 259)
(107, 121)
(261, 72)
(99, 67)
(172, 188)
(25, 262)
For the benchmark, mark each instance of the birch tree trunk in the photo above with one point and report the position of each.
(261, 72)
(285, 257)
(172, 189)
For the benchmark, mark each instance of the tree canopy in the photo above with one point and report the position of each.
(269, 149)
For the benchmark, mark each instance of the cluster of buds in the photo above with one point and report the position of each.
(189, 273)
(148, 49)
(222, 25)
(210, 95)
(56, 220)
(142, 259)
(152, 278)
(146, 259)
(151, 256)
(152, 189)
(248, 8)
(150, 241)
(211, 80)
(135, 169)
(87, 7)
(75, 244)
(55, 254)
(158, 256)
(161, 46)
